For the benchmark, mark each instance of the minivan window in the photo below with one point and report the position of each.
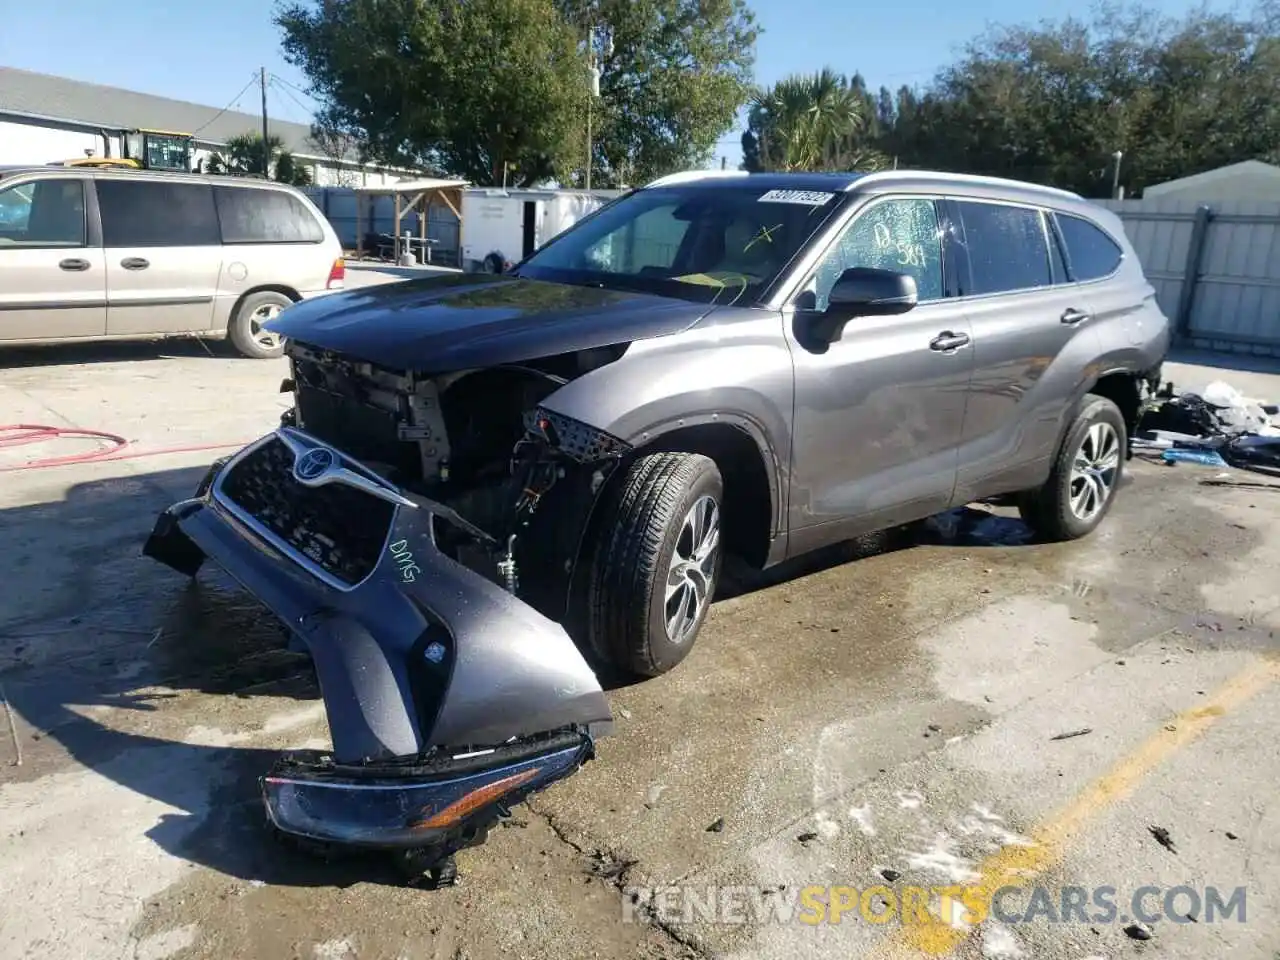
(257, 215)
(151, 213)
(42, 213)
(1093, 254)
(900, 235)
(1006, 248)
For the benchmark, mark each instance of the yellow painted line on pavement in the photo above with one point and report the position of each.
(1015, 866)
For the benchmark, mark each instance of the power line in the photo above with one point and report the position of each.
(234, 102)
(279, 86)
(294, 87)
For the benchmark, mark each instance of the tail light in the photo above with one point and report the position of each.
(337, 274)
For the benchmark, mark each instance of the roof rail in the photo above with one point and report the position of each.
(688, 176)
(969, 178)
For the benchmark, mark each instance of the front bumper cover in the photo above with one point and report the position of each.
(437, 683)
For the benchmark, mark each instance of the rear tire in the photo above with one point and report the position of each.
(1086, 474)
(245, 328)
(656, 562)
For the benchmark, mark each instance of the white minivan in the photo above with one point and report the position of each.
(91, 254)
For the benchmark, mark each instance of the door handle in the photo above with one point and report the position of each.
(135, 263)
(1074, 316)
(73, 264)
(946, 342)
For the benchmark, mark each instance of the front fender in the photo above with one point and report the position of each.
(734, 369)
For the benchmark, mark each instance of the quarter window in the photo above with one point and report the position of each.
(900, 235)
(258, 215)
(150, 213)
(42, 213)
(1006, 248)
(1093, 253)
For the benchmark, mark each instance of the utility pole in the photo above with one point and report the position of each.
(1115, 174)
(724, 163)
(266, 146)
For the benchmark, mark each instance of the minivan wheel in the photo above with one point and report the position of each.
(246, 329)
(1085, 476)
(656, 562)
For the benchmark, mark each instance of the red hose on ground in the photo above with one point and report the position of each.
(22, 434)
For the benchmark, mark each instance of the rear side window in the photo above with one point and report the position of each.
(138, 213)
(251, 215)
(1006, 247)
(1093, 254)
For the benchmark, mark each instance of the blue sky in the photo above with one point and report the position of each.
(207, 52)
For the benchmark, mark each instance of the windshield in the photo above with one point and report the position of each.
(723, 243)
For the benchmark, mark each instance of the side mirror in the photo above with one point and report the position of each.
(867, 292)
(863, 292)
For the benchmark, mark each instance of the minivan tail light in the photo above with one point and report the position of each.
(337, 274)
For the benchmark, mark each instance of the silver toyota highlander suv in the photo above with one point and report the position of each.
(479, 468)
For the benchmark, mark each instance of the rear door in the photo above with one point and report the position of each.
(1032, 343)
(163, 254)
(52, 276)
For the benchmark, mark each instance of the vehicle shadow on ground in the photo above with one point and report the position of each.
(101, 650)
(119, 351)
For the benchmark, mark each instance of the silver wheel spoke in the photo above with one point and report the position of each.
(693, 563)
(677, 623)
(1093, 470)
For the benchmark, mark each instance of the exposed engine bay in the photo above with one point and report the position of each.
(477, 441)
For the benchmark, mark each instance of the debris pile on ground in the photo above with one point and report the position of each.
(1217, 426)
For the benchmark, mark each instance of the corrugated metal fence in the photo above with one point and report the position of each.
(1216, 268)
(339, 206)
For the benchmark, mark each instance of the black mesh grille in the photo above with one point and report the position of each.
(338, 527)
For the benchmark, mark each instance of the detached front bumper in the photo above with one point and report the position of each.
(440, 687)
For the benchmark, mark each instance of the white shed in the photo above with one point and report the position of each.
(1248, 180)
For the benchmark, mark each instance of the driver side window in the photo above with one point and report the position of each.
(900, 235)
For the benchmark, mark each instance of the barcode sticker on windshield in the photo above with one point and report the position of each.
(810, 198)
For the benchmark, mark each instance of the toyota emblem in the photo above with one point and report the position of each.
(313, 464)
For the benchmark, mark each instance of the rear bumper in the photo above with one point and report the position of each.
(420, 664)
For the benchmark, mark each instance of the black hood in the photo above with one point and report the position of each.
(457, 322)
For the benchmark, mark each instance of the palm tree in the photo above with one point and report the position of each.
(811, 122)
(243, 155)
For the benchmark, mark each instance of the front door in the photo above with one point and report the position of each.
(52, 282)
(879, 413)
(163, 253)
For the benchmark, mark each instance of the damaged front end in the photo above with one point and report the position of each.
(448, 697)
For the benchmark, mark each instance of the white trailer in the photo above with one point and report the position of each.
(502, 227)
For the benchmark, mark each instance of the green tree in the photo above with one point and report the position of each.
(674, 74)
(478, 88)
(243, 155)
(1053, 102)
(820, 121)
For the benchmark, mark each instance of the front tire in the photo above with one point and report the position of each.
(246, 331)
(656, 562)
(1086, 474)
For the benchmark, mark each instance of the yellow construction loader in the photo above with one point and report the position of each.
(144, 150)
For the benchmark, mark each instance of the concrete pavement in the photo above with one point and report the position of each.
(882, 711)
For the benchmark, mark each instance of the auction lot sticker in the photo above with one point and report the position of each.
(810, 198)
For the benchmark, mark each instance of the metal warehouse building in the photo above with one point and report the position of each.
(45, 119)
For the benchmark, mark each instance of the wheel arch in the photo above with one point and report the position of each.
(280, 288)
